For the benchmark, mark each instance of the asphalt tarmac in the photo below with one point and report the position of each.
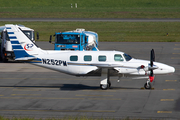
(31, 91)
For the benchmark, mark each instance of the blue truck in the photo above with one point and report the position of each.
(78, 39)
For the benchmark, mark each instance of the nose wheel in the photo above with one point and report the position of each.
(147, 85)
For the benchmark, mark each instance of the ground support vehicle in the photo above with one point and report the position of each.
(77, 40)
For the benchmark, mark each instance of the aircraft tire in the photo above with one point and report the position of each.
(104, 86)
(147, 86)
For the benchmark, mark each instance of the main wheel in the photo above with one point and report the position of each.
(147, 86)
(104, 86)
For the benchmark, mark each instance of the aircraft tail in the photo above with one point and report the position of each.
(23, 47)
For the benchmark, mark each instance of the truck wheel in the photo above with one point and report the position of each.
(5, 60)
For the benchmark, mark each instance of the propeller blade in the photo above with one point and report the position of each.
(152, 57)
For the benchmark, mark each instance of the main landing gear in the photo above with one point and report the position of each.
(105, 82)
(105, 86)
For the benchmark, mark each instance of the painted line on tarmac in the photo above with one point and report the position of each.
(167, 100)
(25, 67)
(49, 78)
(25, 90)
(101, 111)
(177, 44)
(26, 94)
(95, 95)
(11, 78)
(99, 90)
(175, 58)
(104, 99)
(169, 89)
(176, 48)
(176, 53)
(164, 111)
(61, 79)
(39, 98)
(171, 80)
(35, 88)
(59, 98)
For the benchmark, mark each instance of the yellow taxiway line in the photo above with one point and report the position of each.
(26, 94)
(167, 99)
(37, 98)
(94, 95)
(168, 89)
(164, 111)
(171, 80)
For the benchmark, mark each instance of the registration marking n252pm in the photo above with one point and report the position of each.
(54, 62)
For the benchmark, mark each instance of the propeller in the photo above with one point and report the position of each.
(152, 59)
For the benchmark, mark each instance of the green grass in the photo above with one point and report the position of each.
(70, 118)
(90, 9)
(112, 31)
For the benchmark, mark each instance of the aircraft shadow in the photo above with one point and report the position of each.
(73, 87)
(85, 87)
(68, 87)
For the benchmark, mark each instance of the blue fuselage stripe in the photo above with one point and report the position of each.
(20, 53)
(17, 47)
(10, 32)
(12, 37)
(14, 42)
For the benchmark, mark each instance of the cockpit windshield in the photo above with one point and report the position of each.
(67, 39)
(127, 57)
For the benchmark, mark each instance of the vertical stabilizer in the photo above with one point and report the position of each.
(23, 47)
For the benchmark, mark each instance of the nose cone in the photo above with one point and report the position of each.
(164, 69)
(171, 69)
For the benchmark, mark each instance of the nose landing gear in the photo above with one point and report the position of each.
(147, 85)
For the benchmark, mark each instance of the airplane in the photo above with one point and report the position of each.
(86, 63)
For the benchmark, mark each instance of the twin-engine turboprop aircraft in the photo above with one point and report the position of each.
(85, 63)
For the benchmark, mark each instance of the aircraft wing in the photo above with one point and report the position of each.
(109, 65)
(99, 65)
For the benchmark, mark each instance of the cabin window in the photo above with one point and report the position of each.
(118, 57)
(87, 58)
(74, 58)
(102, 58)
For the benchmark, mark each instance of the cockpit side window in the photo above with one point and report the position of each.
(118, 57)
(127, 57)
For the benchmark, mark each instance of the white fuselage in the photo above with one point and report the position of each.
(86, 62)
